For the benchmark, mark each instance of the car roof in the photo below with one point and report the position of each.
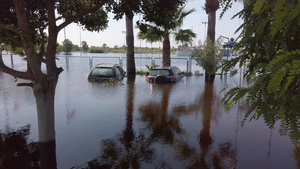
(165, 67)
(106, 65)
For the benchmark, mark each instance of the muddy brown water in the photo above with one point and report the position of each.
(138, 125)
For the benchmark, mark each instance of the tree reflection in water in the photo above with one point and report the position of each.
(223, 155)
(17, 152)
(126, 150)
(129, 149)
(155, 114)
(128, 133)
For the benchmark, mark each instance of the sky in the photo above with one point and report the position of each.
(114, 35)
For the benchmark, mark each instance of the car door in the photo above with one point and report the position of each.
(123, 73)
(118, 74)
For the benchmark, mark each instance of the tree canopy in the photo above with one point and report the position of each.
(24, 23)
(67, 46)
(209, 56)
(269, 39)
(85, 46)
(156, 28)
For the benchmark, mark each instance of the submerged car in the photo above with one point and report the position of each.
(165, 74)
(105, 72)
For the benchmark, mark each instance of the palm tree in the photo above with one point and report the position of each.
(184, 36)
(128, 9)
(153, 32)
(130, 46)
(211, 6)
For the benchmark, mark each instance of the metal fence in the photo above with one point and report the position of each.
(186, 64)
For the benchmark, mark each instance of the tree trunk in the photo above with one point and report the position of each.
(209, 78)
(43, 84)
(130, 64)
(205, 139)
(166, 52)
(45, 111)
(48, 155)
(211, 26)
(128, 133)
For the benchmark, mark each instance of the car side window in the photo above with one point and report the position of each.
(178, 71)
(118, 73)
(174, 71)
(121, 70)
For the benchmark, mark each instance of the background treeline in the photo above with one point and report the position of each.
(67, 46)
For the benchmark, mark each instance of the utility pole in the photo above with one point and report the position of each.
(80, 40)
(124, 44)
(204, 30)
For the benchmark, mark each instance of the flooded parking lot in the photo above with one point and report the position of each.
(138, 125)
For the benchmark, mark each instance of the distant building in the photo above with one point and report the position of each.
(185, 51)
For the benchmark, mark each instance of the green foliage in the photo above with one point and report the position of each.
(126, 7)
(142, 72)
(209, 56)
(184, 36)
(154, 10)
(271, 38)
(67, 46)
(94, 49)
(16, 50)
(112, 82)
(159, 27)
(84, 46)
(75, 48)
(93, 21)
(151, 67)
(59, 48)
(187, 73)
(146, 72)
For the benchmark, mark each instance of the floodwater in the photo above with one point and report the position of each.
(136, 125)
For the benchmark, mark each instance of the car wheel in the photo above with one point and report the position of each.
(160, 79)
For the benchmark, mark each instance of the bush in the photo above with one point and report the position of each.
(187, 73)
(142, 72)
(94, 49)
(112, 81)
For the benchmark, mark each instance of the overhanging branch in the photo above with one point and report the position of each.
(12, 38)
(10, 28)
(25, 84)
(75, 17)
(15, 73)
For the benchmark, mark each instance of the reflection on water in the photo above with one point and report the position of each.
(18, 152)
(138, 125)
(128, 133)
(161, 124)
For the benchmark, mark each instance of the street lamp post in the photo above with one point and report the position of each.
(204, 30)
(124, 32)
(80, 40)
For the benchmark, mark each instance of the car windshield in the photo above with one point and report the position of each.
(156, 72)
(102, 72)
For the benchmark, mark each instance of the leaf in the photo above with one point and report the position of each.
(283, 16)
(257, 6)
(277, 78)
(295, 70)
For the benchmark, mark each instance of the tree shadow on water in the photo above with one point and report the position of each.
(162, 124)
(17, 152)
(210, 154)
(162, 141)
(127, 149)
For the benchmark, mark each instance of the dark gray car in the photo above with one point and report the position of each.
(165, 75)
(104, 72)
